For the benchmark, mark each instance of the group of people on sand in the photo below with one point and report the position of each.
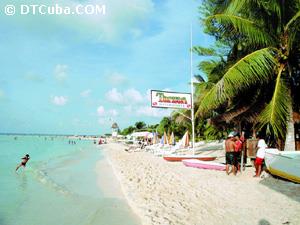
(234, 146)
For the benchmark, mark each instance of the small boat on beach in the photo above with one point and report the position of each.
(285, 164)
(177, 158)
(203, 164)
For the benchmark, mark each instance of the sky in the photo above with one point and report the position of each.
(76, 74)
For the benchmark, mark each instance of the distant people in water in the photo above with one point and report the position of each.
(72, 142)
(24, 161)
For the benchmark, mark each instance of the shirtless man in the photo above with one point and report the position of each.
(24, 161)
(229, 148)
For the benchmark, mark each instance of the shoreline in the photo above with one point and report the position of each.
(161, 192)
(107, 149)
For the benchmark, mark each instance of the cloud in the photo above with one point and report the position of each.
(59, 100)
(102, 121)
(116, 24)
(60, 72)
(33, 77)
(100, 111)
(116, 78)
(133, 96)
(130, 96)
(128, 109)
(152, 112)
(85, 93)
(113, 112)
(114, 96)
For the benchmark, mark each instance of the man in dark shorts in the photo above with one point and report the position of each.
(24, 161)
(230, 157)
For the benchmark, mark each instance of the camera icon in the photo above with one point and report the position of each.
(10, 10)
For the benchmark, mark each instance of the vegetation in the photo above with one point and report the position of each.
(254, 68)
(140, 125)
(252, 73)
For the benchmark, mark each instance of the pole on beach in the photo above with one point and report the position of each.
(192, 95)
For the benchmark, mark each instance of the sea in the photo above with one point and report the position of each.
(59, 185)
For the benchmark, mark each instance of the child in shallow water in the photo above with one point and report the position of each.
(24, 161)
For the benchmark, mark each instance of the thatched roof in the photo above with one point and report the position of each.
(114, 126)
(296, 117)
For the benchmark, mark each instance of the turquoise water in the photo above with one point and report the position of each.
(58, 185)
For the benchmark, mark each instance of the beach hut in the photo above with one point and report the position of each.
(114, 130)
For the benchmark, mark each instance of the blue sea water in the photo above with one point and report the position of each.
(58, 185)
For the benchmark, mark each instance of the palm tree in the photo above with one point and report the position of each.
(265, 68)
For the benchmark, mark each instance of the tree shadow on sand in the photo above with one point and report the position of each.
(266, 222)
(288, 188)
(263, 222)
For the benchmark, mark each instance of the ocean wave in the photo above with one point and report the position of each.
(43, 178)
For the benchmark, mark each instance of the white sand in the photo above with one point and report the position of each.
(164, 193)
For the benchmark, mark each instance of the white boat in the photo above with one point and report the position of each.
(285, 164)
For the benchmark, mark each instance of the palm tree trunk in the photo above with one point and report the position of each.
(290, 144)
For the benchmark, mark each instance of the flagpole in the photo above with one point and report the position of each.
(192, 94)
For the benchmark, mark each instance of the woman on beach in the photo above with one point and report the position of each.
(24, 161)
(260, 155)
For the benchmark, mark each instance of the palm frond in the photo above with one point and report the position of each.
(292, 28)
(207, 66)
(236, 25)
(236, 6)
(204, 51)
(254, 68)
(293, 21)
(277, 112)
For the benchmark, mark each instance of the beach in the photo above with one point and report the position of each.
(162, 192)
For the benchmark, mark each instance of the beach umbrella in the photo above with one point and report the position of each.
(169, 136)
(183, 143)
(187, 139)
(162, 140)
(172, 139)
(165, 138)
(156, 138)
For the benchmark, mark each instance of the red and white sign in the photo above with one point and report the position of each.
(164, 99)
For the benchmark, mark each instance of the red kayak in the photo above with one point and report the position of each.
(177, 158)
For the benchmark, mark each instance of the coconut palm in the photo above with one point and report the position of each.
(264, 38)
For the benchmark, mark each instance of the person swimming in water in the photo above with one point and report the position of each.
(24, 161)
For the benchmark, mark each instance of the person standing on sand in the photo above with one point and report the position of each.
(229, 149)
(237, 152)
(260, 155)
(24, 161)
